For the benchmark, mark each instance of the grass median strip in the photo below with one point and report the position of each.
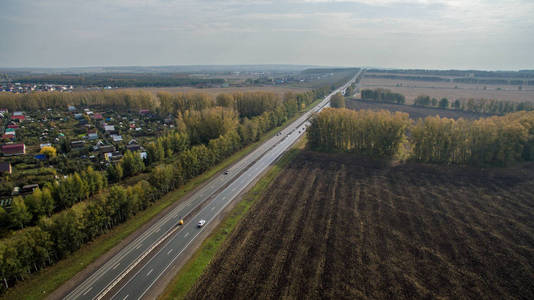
(193, 269)
(40, 284)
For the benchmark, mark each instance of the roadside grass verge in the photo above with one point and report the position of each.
(199, 261)
(40, 284)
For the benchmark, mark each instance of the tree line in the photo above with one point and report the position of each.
(481, 106)
(496, 140)
(247, 104)
(382, 95)
(490, 141)
(337, 101)
(119, 79)
(72, 211)
(364, 132)
(54, 197)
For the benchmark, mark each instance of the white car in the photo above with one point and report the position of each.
(201, 223)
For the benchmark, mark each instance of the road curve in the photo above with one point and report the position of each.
(214, 197)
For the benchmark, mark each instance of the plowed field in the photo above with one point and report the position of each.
(331, 226)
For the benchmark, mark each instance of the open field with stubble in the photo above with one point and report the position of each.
(333, 226)
(452, 91)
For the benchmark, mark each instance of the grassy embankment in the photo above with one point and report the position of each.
(194, 268)
(41, 284)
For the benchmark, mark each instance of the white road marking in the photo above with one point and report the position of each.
(87, 291)
(125, 297)
(157, 230)
(169, 251)
(149, 272)
(116, 265)
(213, 207)
(186, 234)
(138, 246)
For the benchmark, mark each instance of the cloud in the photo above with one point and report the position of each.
(137, 32)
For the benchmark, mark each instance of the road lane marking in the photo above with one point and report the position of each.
(157, 230)
(139, 246)
(213, 207)
(149, 272)
(224, 198)
(169, 251)
(125, 297)
(116, 265)
(186, 234)
(87, 291)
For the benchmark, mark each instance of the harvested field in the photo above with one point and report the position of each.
(452, 91)
(332, 226)
(217, 91)
(415, 112)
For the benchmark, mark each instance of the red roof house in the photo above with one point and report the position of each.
(13, 149)
(14, 126)
(8, 137)
(19, 117)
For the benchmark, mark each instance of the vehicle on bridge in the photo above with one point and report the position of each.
(201, 223)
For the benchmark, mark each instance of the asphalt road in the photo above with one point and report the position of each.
(215, 195)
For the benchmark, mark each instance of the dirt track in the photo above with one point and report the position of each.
(335, 227)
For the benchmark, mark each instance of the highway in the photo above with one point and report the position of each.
(170, 240)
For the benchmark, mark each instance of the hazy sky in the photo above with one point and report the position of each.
(479, 34)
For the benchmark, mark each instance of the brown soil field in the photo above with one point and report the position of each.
(452, 91)
(217, 91)
(332, 226)
(415, 112)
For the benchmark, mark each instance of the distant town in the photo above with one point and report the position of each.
(28, 87)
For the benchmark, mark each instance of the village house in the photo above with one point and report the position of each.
(133, 147)
(77, 144)
(116, 138)
(8, 137)
(13, 149)
(5, 168)
(107, 149)
(110, 129)
(116, 156)
(29, 188)
(18, 116)
(41, 146)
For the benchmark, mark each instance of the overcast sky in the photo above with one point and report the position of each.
(464, 34)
